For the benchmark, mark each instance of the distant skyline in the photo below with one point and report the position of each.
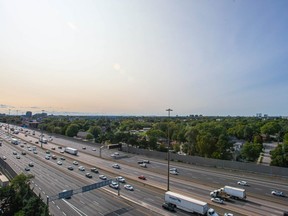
(127, 57)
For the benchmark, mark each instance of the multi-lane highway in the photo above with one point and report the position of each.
(148, 195)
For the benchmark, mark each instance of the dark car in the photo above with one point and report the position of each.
(168, 207)
(142, 177)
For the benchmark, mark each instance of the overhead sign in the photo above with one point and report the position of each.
(65, 194)
(96, 185)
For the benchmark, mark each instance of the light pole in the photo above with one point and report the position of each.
(41, 138)
(8, 120)
(168, 153)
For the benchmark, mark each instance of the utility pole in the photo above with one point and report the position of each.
(168, 153)
(41, 138)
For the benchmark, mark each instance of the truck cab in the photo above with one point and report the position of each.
(211, 212)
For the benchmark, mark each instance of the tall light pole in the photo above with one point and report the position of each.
(168, 153)
(8, 120)
(41, 138)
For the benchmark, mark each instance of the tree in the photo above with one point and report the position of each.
(251, 151)
(72, 130)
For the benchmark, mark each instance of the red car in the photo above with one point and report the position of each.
(142, 177)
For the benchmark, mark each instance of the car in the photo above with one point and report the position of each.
(22, 146)
(62, 158)
(27, 169)
(173, 169)
(88, 175)
(47, 152)
(4, 157)
(140, 162)
(54, 157)
(217, 200)
(62, 152)
(116, 166)
(59, 147)
(18, 156)
(47, 157)
(228, 214)
(36, 142)
(95, 170)
(75, 162)
(168, 206)
(14, 153)
(70, 168)
(114, 185)
(23, 153)
(116, 153)
(93, 149)
(146, 161)
(143, 165)
(113, 155)
(59, 162)
(102, 177)
(278, 193)
(173, 172)
(83, 147)
(35, 152)
(81, 168)
(243, 183)
(29, 149)
(128, 187)
(53, 148)
(120, 179)
(30, 164)
(142, 177)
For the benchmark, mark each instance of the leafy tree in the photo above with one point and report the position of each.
(251, 151)
(72, 130)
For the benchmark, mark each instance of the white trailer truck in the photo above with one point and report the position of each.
(71, 150)
(233, 192)
(189, 204)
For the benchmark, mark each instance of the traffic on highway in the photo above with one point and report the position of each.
(138, 184)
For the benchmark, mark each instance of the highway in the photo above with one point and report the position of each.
(193, 181)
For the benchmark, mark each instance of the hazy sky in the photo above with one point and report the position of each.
(140, 57)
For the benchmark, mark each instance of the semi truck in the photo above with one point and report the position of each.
(229, 192)
(188, 204)
(71, 150)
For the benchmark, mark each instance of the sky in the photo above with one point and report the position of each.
(141, 57)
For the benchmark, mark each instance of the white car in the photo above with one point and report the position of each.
(120, 179)
(81, 168)
(59, 162)
(114, 185)
(173, 172)
(116, 153)
(128, 187)
(143, 165)
(228, 214)
(75, 162)
(103, 177)
(18, 156)
(4, 157)
(217, 200)
(278, 193)
(243, 183)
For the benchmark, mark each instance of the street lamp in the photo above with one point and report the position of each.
(41, 138)
(168, 153)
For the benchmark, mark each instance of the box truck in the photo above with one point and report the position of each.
(188, 204)
(71, 150)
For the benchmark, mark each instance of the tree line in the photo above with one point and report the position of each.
(211, 137)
